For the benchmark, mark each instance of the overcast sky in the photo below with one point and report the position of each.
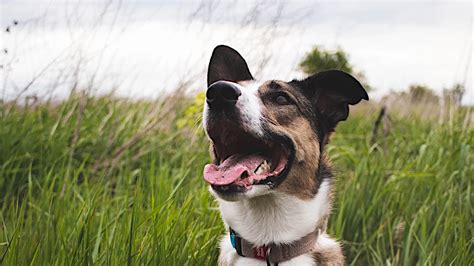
(144, 47)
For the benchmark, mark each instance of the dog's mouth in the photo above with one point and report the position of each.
(243, 160)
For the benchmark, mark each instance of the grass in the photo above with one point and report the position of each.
(109, 181)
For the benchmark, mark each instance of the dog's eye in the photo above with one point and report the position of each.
(282, 99)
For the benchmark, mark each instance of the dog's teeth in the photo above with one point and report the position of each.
(263, 167)
(266, 165)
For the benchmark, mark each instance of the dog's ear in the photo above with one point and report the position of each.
(227, 64)
(331, 92)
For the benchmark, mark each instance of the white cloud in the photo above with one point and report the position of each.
(150, 47)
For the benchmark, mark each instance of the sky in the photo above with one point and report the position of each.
(144, 48)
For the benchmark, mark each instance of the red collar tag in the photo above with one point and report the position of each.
(260, 252)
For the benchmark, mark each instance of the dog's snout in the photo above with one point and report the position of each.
(222, 94)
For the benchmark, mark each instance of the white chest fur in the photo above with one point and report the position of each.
(275, 218)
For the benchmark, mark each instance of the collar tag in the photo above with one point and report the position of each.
(260, 252)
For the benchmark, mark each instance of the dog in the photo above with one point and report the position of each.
(269, 174)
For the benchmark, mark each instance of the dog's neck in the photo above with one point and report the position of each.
(277, 217)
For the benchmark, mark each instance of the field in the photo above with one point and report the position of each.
(104, 180)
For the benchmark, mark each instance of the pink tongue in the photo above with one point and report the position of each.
(232, 169)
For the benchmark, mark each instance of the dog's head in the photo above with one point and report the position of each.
(268, 137)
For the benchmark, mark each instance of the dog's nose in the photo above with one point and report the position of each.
(222, 94)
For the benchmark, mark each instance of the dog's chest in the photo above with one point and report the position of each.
(276, 219)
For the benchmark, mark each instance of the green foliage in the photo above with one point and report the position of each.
(319, 59)
(409, 203)
(423, 95)
(191, 117)
(454, 94)
(418, 93)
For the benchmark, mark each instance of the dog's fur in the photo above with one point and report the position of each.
(299, 200)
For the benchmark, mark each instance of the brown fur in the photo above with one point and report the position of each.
(300, 180)
(289, 121)
(329, 256)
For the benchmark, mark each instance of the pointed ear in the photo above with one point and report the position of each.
(227, 64)
(331, 92)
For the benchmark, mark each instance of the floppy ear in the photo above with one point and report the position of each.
(331, 92)
(227, 64)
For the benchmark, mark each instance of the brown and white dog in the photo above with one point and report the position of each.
(269, 172)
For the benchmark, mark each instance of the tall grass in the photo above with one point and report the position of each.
(109, 181)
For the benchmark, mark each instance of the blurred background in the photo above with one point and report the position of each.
(145, 48)
(102, 149)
